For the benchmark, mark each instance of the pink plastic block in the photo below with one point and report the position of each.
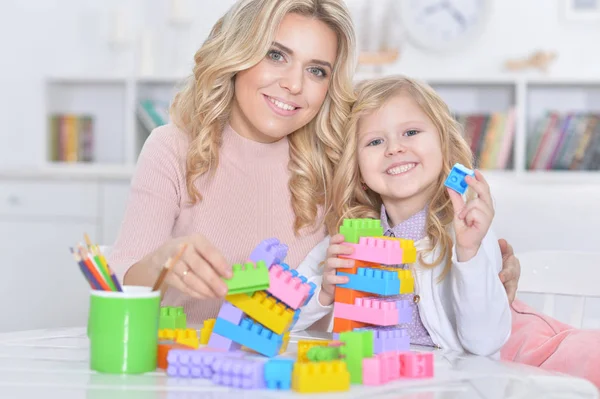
(373, 310)
(376, 250)
(287, 288)
(416, 364)
(381, 368)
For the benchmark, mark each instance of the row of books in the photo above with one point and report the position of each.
(565, 141)
(71, 138)
(491, 138)
(152, 114)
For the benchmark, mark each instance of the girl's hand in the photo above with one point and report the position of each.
(332, 263)
(472, 219)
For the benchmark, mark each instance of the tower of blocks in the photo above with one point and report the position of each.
(264, 301)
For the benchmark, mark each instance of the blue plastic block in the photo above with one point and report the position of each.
(374, 281)
(456, 178)
(251, 335)
(278, 373)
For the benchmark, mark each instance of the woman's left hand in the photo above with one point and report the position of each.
(472, 219)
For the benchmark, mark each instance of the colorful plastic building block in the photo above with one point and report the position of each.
(323, 353)
(374, 281)
(316, 377)
(304, 346)
(172, 317)
(195, 363)
(249, 334)
(229, 313)
(381, 368)
(344, 325)
(388, 339)
(239, 373)
(376, 311)
(376, 250)
(456, 178)
(289, 287)
(347, 295)
(162, 353)
(409, 251)
(358, 345)
(187, 337)
(265, 309)
(353, 229)
(416, 364)
(278, 373)
(271, 251)
(206, 330)
(248, 278)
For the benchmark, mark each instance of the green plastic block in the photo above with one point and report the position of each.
(353, 229)
(358, 345)
(323, 353)
(248, 278)
(172, 317)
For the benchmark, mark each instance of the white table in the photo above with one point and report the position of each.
(50, 364)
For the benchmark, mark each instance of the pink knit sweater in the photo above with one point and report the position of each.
(246, 201)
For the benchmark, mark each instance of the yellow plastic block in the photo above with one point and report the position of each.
(286, 341)
(187, 337)
(166, 334)
(206, 331)
(313, 377)
(277, 317)
(409, 251)
(305, 345)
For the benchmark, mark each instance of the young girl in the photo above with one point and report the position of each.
(402, 144)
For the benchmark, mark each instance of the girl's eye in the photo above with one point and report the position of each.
(374, 142)
(275, 55)
(318, 72)
(411, 132)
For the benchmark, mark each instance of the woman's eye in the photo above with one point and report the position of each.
(275, 55)
(374, 142)
(318, 72)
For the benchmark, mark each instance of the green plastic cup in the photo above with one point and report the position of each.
(123, 330)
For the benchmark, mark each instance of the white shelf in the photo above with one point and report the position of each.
(65, 171)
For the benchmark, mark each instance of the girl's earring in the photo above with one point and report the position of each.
(364, 186)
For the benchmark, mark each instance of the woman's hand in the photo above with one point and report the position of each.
(472, 219)
(332, 263)
(511, 270)
(198, 272)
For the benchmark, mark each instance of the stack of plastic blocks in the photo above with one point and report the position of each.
(371, 298)
(263, 302)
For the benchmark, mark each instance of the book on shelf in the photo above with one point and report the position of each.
(71, 138)
(490, 137)
(152, 114)
(565, 141)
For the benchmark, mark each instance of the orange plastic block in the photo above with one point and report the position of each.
(343, 325)
(357, 264)
(313, 377)
(277, 317)
(305, 345)
(206, 330)
(163, 351)
(347, 295)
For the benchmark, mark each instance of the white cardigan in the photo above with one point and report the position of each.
(467, 311)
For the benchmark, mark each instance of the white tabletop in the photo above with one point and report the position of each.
(54, 364)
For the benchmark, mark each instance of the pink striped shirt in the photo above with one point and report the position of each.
(246, 201)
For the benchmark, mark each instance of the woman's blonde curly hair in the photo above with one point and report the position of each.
(238, 41)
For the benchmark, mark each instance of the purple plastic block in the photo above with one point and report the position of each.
(195, 363)
(405, 310)
(336, 336)
(217, 341)
(239, 373)
(388, 339)
(230, 313)
(270, 250)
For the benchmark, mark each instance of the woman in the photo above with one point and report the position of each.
(251, 152)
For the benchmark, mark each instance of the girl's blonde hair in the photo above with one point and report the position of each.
(350, 200)
(238, 41)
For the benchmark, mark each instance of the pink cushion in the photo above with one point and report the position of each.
(541, 341)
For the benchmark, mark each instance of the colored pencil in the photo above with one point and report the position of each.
(168, 265)
(84, 270)
(95, 272)
(110, 272)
